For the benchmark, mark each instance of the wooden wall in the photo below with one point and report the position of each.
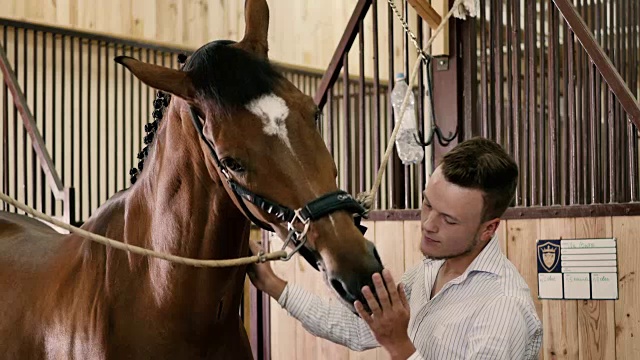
(573, 329)
(301, 32)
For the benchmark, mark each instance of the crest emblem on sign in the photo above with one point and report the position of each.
(548, 255)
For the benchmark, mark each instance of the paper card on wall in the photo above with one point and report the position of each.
(576, 286)
(604, 286)
(550, 286)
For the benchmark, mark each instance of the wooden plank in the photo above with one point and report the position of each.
(412, 238)
(440, 45)
(390, 244)
(596, 318)
(559, 317)
(521, 239)
(283, 326)
(427, 13)
(627, 307)
(369, 354)
(502, 234)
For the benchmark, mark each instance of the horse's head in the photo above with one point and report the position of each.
(258, 133)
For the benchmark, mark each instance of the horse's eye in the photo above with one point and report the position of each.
(232, 165)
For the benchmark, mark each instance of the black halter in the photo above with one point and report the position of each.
(318, 208)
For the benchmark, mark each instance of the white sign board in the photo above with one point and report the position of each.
(577, 269)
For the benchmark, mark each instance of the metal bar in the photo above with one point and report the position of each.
(91, 187)
(564, 175)
(376, 96)
(516, 102)
(43, 193)
(530, 99)
(106, 121)
(497, 60)
(72, 68)
(472, 125)
(25, 84)
(63, 117)
(5, 129)
(98, 182)
(510, 68)
(83, 190)
(604, 64)
(34, 96)
(483, 71)
(542, 174)
(571, 95)
(349, 35)
(54, 72)
(420, 167)
(396, 183)
(15, 117)
(30, 125)
(407, 71)
(117, 146)
(123, 73)
(347, 123)
(360, 131)
(553, 74)
(584, 118)
(330, 121)
(613, 197)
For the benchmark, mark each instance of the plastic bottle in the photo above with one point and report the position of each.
(409, 150)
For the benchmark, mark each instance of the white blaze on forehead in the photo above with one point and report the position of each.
(273, 111)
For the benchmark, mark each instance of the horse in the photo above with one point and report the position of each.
(236, 143)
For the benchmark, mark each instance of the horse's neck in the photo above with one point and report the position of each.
(177, 207)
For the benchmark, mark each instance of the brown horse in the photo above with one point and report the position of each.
(234, 128)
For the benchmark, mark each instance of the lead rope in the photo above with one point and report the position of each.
(367, 198)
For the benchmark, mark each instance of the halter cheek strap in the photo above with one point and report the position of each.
(316, 209)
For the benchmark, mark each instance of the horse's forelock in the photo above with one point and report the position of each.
(230, 76)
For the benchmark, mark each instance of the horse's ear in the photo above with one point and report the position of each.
(256, 16)
(168, 80)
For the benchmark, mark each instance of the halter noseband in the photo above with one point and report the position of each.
(316, 209)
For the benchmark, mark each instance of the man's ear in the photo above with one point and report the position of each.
(490, 228)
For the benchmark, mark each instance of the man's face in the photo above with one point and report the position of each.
(451, 219)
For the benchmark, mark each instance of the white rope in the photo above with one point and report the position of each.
(142, 251)
(367, 198)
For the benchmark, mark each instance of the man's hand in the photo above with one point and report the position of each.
(389, 318)
(263, 277)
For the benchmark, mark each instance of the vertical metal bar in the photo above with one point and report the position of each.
(597, 136)
(516, 103)
(140, 119)
(586, 110)
(126, 151)
(348, 183)
(147, 100)
(396, 198)
(618, 112)
(564, 172)
(531, 75)
(54, 100)
(509, 110)
(553, 75)
(73, 155)
(542, 174)
(407, 70)
(15, 118)
(90, 158)
(579, 117)
(361, 158)
(632, 137)
(98, 182)
(420, 167)
(131, 155)
(117, 146)
(605, 106)
(483, 70)
(330, 120)
(83, 190)
(63, 92)
(498, 72)
(107, 124)
(34, 88)
(613, 196)
(571, 95)
(5, 129)
(43, 183)
(376, 97)
(25, 46)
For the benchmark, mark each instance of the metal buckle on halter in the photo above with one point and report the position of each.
(295, 235)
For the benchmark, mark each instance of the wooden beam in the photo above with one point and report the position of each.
(600, 59)
(427, 13)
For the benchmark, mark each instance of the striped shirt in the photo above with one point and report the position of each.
(485, 313)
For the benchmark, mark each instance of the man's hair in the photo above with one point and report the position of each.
(482, 164)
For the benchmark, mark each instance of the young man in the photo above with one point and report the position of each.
(466, 300)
